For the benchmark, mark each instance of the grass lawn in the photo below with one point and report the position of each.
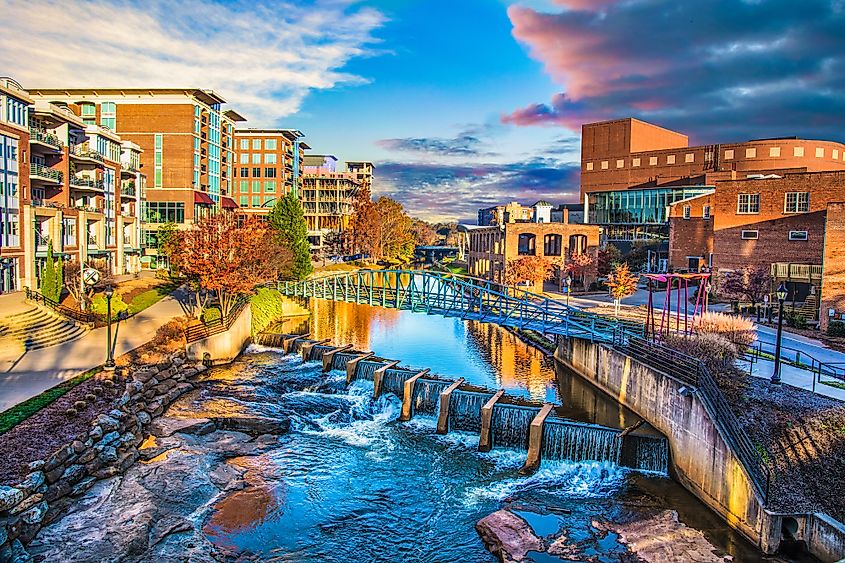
(17, 414)
(133, 301)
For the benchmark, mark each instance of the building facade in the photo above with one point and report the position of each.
(269, 165)
(327, 197)
(363, 172)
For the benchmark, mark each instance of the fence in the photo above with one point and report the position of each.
(796, 358)
(216, 326)
(69, 312)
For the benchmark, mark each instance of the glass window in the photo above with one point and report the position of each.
(256, 173)
(705, 213)
(244, 173)
(687, 212)
(244, 200)
(270, 144)
(256, 186)
(749, 235)
(244, 186)
(269, 158)
(158, 139)
(245, 144)
(164, 212)
(269, 172)
(270, 187)
(256, 158)
(797, 235)
(796, 202)
(256, 201)
(256, 144)
(244, 158)
(748, 203)
(87, 109)
(526, 245)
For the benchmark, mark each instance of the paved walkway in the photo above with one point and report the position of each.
(39, 370)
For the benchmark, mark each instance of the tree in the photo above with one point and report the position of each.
(288, 221)
(424, 234)
(72, 276)
(607, 259)
(395, 241)
(748, 283)
(51, 278)
(220, 256)
(167, 241)
(365, 226)
(622, 283)
(578, 266)
(532, 269)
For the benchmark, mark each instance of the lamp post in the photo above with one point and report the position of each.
(109, 365)
(781, 294)
(567, 281)
(708, 287)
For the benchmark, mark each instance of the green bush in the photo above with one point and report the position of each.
(267, 307)
(99, 305)
(836, 328)
(211, 314)
(795, 320)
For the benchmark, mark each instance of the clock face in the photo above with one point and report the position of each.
(90, 276)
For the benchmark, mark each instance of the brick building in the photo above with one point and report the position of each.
(779, 222)
(327, 196)
(632, 171)
(269, 165)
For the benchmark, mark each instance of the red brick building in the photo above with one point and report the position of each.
(269, 165)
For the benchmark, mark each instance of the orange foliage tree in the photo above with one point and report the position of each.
(578, 266)
(622, 283)
(228, 259)
(533, 269)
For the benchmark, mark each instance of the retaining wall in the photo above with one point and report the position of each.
(226, 346)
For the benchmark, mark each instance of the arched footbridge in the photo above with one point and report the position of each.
(450, 295)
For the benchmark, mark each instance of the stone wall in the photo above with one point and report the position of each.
(107, 449)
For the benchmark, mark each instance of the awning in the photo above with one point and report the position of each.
(203, 198)
(228, 203)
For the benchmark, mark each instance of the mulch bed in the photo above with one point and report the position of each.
(44, 432)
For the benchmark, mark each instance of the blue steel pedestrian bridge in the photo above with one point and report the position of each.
(451, 295)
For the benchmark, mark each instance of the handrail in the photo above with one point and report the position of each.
(69, 312)
(216, 326)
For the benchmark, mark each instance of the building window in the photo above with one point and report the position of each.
(108, 115)
(797, 235)
(690, 157)
(620, 163)
(256, 201)
(635, 162)
(244, 200)
(750, 153)
(244, 186)
(670, 159)
(774, 151)
(652, 161)
(244, 158)
(164, 212)
(729, 154)
(269, 172)
(244, 173)
(835, 154)
(157, 159)
(256, 173)
(527, 244)
(589, 166)
(687, 212)
(244, 144)
(798, 151)
(270, 187)
(270, 158)
(256, 144)
(748, 203)
(819, 152)
(256, 186)
(269, 144)
(552, 245)
(796, 202)
(604, 165)
(256, 158)
(693, 263)
(705, 212)
(749, 235)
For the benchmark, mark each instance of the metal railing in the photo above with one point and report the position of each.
(45, 172)
(68, 312)
(127, 190)
(78, 182)
(40, 135)
(216, 326)
(797, 358)
(84, 151)
(692, 371)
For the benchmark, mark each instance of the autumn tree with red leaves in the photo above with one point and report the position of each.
(578, 266)
(532, 269)
(221, 257)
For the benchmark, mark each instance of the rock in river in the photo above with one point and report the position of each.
(508, 536)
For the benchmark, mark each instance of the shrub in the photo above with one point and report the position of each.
(210, 314)
(836, 328)
(736, 330)
(266, 307)
(795, 320)
(99, 304)
(715, 350)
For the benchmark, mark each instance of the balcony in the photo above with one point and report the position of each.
(39, 172)
(42, 137)
(87, 184)
(797, 272)
(128, 190)
(84, 152)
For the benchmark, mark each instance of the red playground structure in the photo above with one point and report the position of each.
(675, 284)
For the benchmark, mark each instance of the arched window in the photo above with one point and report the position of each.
(527, 244)
(552, 245)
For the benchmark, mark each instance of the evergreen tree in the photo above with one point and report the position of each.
(51, 285)
(288, 222)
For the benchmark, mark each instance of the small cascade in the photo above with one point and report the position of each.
(394, 381)
(465, 410)
(647, 453)
(296, 346)
(511, 424)
(340, 358)
(427, 395)
(270, 339)
(565, 440)
(366, 369)
(318, 351)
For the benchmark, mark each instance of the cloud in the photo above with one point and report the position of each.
(733, 70)
(263, 57)
(440, 192)
(469, 142)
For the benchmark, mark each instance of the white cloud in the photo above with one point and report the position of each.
(263, 57)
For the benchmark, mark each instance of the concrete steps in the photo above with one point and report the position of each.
(37, 328)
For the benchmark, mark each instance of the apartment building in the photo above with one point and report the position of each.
(269, 165)
(363, 172)
(14, 181)
(327, 196)
(632, 171)
(186, 142)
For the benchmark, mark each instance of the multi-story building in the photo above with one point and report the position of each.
(513, 212)
(186, 142)
(269, 165)
(14, 182)
(363, 172)
(632, 171)
(327, 197)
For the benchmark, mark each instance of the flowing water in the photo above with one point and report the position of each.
(351, 483)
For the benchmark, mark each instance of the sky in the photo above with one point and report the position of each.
(461, 104)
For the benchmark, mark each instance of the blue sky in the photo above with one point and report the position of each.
(462, 103)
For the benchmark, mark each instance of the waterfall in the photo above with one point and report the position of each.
(427, 395)
(574, 441)
(297, 345)
(465, 410)
(366, 369)
(340, 358)
(647, 453)
(511, 424)
(394, 381)
(318, 351)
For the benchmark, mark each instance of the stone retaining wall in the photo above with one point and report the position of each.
(106, 450)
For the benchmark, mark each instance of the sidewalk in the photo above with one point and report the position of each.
(791, 375)
(40, 370)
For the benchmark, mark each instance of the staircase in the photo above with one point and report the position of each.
(37, 328)
(809, 309)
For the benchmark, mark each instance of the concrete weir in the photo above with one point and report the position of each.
(378, 378)
(309, 346)
(352, 365)
(485, 439)
(535, 440)
(445, 399)
(408, 396)
(329, 356)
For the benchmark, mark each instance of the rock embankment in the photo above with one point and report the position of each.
(107, 449)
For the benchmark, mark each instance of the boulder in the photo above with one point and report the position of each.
(253, 425)
(58, 458)
(167, 426)
(508, 536)
(96, 433)
(57, 491)
(107, 423)
(74, 473)
(27, 503)
(143, 418)
(32, 481)
(108, 439)
(35, 514)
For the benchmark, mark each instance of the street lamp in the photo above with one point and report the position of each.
(109, 292)
(567, 281)
(781, 294)
(708, 287)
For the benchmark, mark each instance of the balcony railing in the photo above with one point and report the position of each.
(787, 271)
(42, 171)
(129, 167)
(84, 151)
(86, 183)
(127, 190)
(42, 136)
